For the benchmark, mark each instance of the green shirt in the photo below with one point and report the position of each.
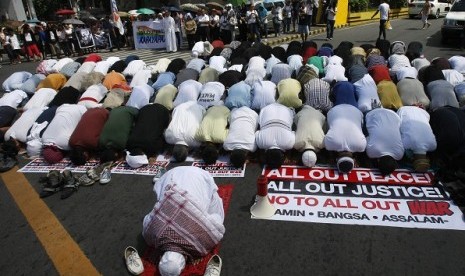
(116, 130)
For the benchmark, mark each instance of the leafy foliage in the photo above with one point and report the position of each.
(45, 9)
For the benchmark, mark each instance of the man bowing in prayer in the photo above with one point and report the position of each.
(186, 223)
(170, 35)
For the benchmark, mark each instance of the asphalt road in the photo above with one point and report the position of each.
(103, 220)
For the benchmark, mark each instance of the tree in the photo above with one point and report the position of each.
(45, 9)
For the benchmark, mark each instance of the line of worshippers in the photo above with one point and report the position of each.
(242, 98)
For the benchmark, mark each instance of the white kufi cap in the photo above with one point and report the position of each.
(309, 158)
(171, 264)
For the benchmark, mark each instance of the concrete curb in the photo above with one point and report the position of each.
(292, 37)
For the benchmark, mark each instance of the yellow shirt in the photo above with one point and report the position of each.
(214, 125)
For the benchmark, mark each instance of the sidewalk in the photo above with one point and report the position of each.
(315, 30)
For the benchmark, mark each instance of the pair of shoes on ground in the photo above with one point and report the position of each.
(7, 162)
(133, 261)
(55, 181)
(101, 173)
(214, 266)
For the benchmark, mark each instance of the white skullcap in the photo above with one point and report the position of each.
(345, 164)
(309, 158)
(136, 161)
(171, 264)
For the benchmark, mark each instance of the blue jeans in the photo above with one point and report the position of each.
(254, 30)
(330, 28)
(286, 25)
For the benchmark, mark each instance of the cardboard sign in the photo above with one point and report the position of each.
(363, 197)
(221, 169)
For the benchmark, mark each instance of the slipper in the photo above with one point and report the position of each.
(85, 180)
(53, 182)
(70, 184)
(133, 261)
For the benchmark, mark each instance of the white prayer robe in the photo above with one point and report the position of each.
(140, 96)
(275, 132)
(170, 35)
(415, 130)
(93, 96)
(198, 184)
(62, 126)
(309, 134)
(383, 126)
(243, 123)
(21, 126)
(188, 90)
(264, 93)
(185, 121)
(211, 94)
(41, 98)
(345, 129)
(13, 99)
(366, 91)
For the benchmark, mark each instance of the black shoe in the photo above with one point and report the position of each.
(70, 184)
(7, 163)
(53, 182)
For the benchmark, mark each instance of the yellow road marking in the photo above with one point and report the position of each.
(64, 252)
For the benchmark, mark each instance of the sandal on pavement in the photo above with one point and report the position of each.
(53, 182)
(70, 184)
(214, 266)
(133, 261)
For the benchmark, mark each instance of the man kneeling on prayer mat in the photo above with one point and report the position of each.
(310, 134)
(241, 137)
(275, 135)
(213, 132)
(187, 199)
(345, 135)
(384, 142)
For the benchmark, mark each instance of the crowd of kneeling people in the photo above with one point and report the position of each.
(387, 100)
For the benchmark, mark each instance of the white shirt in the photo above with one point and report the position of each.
(188, 90)
(345, 129)
(243, 123)
(453, 76)
(295, 62)
(15, 80)
(255, 74)
(200, 188)
(272, 61)
(185, 122)
(383, 126)
(366, 92)
(457, 63)
(14, 42)
(197, 64)
(161, 66)
(21, 126)
(140, 96)
(275, 132)
(218, 63)
(112, 60)
(398, 61)
(41, 98)
(415, 130)
(102, 67)
(252, 16)
(13, 98)
(256, 62)
(140, 78)
(211, 94)
(264, 93)
(406, 72)
(134, 67)
(87, 67)
(309, 133)
(60, 63)
(93, 96)
(62, 126)
(334, 72)
(384, 11)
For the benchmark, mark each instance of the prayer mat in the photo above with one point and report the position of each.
(151, 257)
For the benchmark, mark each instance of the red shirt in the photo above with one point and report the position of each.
(87, 132)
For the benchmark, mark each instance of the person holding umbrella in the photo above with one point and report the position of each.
(30, 42)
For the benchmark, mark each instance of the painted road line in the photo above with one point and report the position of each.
(64, 252)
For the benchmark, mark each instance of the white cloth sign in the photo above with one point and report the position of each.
(148, 35)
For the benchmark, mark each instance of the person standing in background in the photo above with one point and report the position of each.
(191, 29)
(214, 25)
(309, 13)
(287, 15)
(253, 23)
(330, 19)
(203, 21)
(170, 35)
(277, 19)
(383, 9)
(295, 13)
(177, 28)
(303, 22)
(315, 6)
(425, 12)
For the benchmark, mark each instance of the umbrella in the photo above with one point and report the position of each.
(35, 20)
(172, 9)
(85, 15)
(145, 11)
(73, 21)
(189, 7)
(214, 5)
(64, 12)
(237, 3)
(123, 14)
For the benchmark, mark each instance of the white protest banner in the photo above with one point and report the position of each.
(361, 197)
(221, 169)
(148, 35)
